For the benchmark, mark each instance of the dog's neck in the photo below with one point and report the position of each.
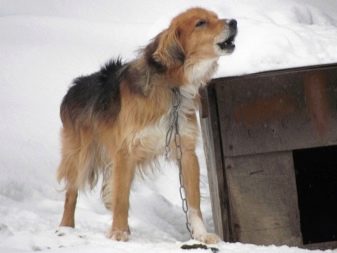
(189, 77)
(200, 72)
(196, 75)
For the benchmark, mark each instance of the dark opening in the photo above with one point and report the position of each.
(316, 178)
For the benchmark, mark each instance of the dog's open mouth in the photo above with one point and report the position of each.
(228, 44)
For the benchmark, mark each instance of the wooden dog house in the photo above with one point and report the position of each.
(271, 149)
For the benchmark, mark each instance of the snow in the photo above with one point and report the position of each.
(45, 44)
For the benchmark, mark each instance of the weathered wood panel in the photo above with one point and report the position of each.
(277, 111)
(217, 182)
(263, 200)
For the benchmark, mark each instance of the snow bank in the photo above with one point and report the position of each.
(45, 44)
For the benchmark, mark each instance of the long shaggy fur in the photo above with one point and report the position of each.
(115, 120)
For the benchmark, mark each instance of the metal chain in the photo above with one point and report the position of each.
(174, 127)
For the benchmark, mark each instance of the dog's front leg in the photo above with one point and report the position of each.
(191, 178)
(123, 170)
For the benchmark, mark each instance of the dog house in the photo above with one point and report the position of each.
(271, 149)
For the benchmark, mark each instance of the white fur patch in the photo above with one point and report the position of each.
(200, 73)
(198, 228)
(197, 225)
(151, 138)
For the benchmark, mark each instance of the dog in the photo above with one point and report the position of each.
(115, 121)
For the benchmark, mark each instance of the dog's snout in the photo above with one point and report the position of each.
(233, 24)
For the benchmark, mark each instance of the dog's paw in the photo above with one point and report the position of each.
(119, 235)
(207, 238)
(63, 230)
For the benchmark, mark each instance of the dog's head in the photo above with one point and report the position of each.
(194, 35)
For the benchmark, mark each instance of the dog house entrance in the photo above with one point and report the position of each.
(316, 179)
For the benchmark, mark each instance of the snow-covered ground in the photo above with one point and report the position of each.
(44, 44)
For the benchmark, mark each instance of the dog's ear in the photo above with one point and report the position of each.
(169, 52)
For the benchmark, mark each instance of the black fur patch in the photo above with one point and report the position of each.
(94, 95)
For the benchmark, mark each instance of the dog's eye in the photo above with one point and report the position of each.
(200, 23)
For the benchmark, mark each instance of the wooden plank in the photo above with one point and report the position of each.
(278, 110)
(263, 200)
(217, 182)
(321, 246)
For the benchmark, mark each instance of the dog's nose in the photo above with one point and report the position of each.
(233, 24)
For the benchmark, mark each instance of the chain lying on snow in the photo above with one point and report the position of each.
(174, 129)
(199, 246)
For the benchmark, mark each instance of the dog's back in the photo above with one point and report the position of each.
(95, 95)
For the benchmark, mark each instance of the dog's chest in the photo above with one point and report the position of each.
(152, 140)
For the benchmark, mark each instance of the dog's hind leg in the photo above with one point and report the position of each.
(68, 171)
(123, 172)
(106, 190)
(191, 174)
(68, 218)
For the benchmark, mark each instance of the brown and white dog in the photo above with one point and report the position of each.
(115, 120)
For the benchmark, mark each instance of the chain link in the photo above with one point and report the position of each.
(174, 128)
